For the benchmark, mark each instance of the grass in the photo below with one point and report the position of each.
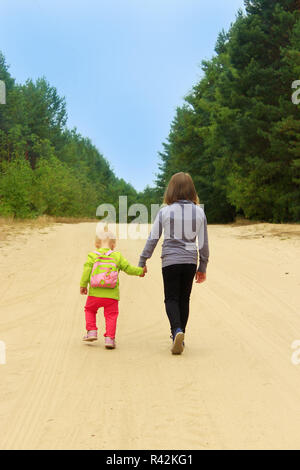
(242, 222)
(10, 227)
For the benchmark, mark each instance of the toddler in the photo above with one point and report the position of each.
(101, 273)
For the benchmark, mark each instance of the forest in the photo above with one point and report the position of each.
(237, 133)
(45, 168)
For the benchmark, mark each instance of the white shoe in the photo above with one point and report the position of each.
(178, 347)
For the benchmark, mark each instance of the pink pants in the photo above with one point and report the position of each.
(111, 312)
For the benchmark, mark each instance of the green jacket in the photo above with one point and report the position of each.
(122, 265)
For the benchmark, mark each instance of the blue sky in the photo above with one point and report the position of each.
(123, 65)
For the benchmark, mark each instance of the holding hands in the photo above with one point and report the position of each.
(200, 277)
(145, 270)
(84, 290)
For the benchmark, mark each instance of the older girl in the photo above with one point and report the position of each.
(183, 222)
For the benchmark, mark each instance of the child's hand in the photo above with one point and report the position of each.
(83, 290)
(144, 271)
(200, 277)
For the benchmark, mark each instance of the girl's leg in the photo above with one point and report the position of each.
(171, 277)
(111, 312)
(186, 283)
(91, 309)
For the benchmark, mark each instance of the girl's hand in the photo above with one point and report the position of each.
(200, 277)
(145, 270)
(83, 290)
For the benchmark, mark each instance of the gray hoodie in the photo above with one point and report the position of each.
(183, 223)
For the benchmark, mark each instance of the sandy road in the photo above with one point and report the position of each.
(234, 387)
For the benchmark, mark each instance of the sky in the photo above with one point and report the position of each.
(124, 66)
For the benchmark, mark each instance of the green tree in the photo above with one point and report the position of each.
(45, 167)
(238, 133)
(16, 179)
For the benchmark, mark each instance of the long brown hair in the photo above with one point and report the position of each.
(181, 186)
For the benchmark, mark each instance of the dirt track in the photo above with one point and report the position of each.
(234, 387)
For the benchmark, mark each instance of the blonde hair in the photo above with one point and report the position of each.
(181, 186)
(105, 236)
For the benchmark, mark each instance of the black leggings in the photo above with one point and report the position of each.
(178, 283)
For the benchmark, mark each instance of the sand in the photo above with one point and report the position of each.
(235, 386)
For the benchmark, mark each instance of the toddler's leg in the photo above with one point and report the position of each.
(111, 312)
(91, 309)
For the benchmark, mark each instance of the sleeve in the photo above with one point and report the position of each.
(125, 266)
(203, 247)
(87, 270)
(152, 241)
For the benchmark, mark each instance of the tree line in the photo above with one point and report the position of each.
(237, 133)
(45, 168)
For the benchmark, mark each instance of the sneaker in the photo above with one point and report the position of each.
(172, 338)
(178, 341)
(109, 343)
(90, 336)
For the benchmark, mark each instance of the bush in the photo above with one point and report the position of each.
(16, 180)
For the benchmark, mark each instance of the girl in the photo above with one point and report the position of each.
(108, 296)
(183, 221)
